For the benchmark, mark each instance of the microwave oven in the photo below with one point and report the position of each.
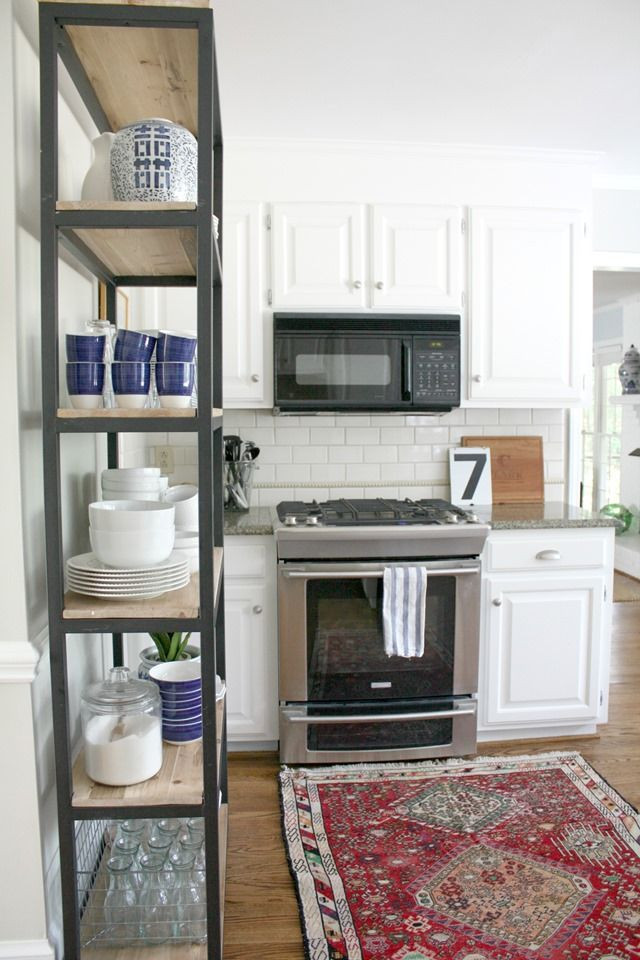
(343, 363)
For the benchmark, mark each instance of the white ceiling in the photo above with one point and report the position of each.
(530, 73)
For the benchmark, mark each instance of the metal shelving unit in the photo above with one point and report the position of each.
(131, 62)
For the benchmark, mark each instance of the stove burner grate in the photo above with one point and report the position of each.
(371, 512)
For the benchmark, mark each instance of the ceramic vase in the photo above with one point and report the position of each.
(629, 371)
(97, 183)
(154, 160)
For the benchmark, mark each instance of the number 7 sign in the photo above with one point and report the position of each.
(470, 475)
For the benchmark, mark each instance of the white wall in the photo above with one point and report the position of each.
(30, 893)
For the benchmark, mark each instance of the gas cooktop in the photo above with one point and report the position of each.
(374, 512)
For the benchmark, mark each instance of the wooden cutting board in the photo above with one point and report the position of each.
(517, 469)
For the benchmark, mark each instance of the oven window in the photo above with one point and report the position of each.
(345, 648)
(353, 370)
(343, 369)
(395, 735)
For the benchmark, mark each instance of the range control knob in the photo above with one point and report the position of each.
(451, 517)
(312, 520)
(290, 520)
(472, 517)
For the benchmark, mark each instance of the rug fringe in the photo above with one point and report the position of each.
(445, 761)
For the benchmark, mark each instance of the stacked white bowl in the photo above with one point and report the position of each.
(131, 533)
(184, 497)
(134, 483)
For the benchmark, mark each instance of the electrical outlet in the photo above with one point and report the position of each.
(164, 459)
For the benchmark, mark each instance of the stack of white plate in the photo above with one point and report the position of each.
(134, 483)
(86, 575)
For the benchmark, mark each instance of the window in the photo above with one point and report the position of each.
(601, 427)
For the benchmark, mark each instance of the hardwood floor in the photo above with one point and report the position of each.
(261, 914)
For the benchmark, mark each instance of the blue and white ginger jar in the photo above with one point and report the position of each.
(629, 371)
(154, 160)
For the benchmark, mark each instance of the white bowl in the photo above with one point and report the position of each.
(86, 401)
(174, 401)
(131, 401)
(153, 497)
(121, 474)
(133, 548)
(125, 515)
(184, 496)
(143, 484)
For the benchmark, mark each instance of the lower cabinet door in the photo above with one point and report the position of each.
(252, 694)
(542, 657)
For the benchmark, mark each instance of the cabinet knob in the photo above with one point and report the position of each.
(257, 608)
(255, 377)
(497, 602)
(549, 555)
(478, 378)
(379, 285)
(357, 284)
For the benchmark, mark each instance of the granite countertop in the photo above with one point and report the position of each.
(540, 516)
(248, 523)
(506, 516)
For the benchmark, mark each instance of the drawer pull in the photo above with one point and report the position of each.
(549, 555)
(497, 602)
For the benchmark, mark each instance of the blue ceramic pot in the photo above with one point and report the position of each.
(131, 378)
(132, 346)
(85, 378)
(85, 347)
(173, 348)
(154, 160)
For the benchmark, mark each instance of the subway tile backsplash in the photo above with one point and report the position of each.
(394, 456)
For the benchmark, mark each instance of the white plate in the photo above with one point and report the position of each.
(80, 587)
(88, 562)
(135, 579)
(141, 594)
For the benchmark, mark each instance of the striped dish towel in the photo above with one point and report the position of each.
(404, 595)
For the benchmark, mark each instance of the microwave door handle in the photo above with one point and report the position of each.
(407, 372)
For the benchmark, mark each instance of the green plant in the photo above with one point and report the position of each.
(170, 646)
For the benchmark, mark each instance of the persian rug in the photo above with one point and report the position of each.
(499, 858)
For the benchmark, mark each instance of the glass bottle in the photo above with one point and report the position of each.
(128, 846)
(99, 327)
(192, 845)
(120, 902)
(159, 843)
(170, 828)
(157, 900)
(190, 900)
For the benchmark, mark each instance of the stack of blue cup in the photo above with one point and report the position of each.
(131, 368)
(85, 369)
(175, 368)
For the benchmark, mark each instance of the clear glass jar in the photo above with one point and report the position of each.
(122, 729)
(121, 903)
(190, 900)
(157, 899)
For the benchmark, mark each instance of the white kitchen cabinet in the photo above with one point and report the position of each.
(318, 255)
(529, 306)
(359, 256)
(415, 256)
(250, 631)
(244, 336)
(544, 653)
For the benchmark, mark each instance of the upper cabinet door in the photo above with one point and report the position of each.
(416, 256)
(529, 306)
(318, 255)
(242, 317)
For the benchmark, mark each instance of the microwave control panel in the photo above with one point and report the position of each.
(436, 370)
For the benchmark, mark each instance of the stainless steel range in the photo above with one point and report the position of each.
(341, 697)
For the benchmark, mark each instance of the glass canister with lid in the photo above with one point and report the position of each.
(122, 729)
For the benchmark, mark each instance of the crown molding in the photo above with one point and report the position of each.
(418, 148)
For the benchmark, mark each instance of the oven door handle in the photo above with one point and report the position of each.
(367, 574)
(381, 717)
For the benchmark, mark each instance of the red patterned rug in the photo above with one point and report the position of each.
(501, 858)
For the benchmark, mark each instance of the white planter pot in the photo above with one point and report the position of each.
(154, 160)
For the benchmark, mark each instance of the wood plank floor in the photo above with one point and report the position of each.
(261, 914)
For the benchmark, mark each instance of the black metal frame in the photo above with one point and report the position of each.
(57, 226)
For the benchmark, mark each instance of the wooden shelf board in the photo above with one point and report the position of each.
(178, 781)
(178, 604)
(141, 73)
(130, 206)
(68, 413)
(144, 3)
(162, 252)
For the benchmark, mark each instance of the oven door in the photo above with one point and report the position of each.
(331, 639)
(330, 371)
(414, 730)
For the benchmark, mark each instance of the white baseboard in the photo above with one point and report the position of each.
(536, 733)
(26, 950)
